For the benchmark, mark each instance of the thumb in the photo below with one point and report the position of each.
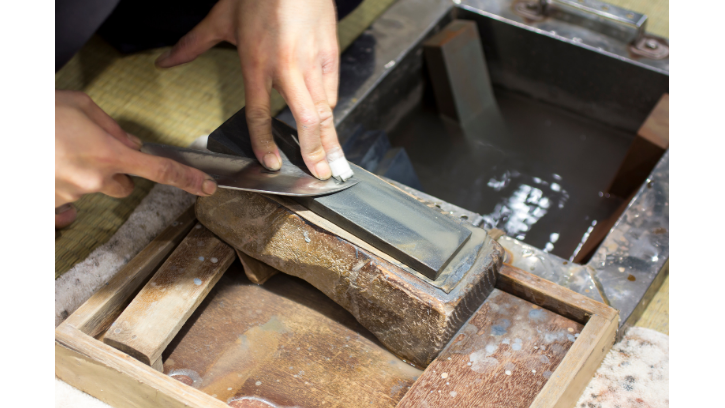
(194, 43)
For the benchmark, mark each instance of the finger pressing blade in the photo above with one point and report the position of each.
(243, 173)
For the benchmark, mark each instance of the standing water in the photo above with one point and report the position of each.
(533, 170)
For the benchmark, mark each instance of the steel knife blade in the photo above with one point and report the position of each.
(243, 173)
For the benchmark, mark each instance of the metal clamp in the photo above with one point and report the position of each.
(617, 22)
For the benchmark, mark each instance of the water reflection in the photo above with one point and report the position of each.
(520, 210)
(528, 171)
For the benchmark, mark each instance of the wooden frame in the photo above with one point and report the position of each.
(584, 357)
(118, 379)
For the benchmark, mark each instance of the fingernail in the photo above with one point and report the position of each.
(208, 187)
(323, 170)
(271, 161)
(163, 56)
(134, 139)
(63, 208)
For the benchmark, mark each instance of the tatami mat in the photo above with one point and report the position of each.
(657, 314)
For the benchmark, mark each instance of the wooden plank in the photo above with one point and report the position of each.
(502, 357)
(579, 365)
(158, 365)
(285, 342)
(656, 128)
(551, 296)
(648, 146)
(98, 312)
(156, 314)
(587, 353)
(118, 379)
(651, 142)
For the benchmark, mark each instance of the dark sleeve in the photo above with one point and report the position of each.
(134, 25)
(75, 23)
(162, 23)
(345, 7)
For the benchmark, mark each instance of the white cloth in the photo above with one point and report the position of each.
(635, 373)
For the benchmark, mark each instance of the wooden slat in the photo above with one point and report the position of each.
(585, 356)
(648, 146)
(118, 379)
(551, 296)
(578, 367)
(98, 312)
(656, 128)
(646, 150)
(157, 313)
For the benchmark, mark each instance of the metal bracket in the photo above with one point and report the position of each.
(620, 23)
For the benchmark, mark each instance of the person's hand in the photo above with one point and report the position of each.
(93, 154)
(288, 45)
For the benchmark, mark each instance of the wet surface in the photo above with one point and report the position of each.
(283, 344)
(286, 344)
(533, 170)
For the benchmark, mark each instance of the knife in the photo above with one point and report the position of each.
(243, 173)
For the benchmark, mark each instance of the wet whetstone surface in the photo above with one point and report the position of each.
(501, 358)
(286, 343)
